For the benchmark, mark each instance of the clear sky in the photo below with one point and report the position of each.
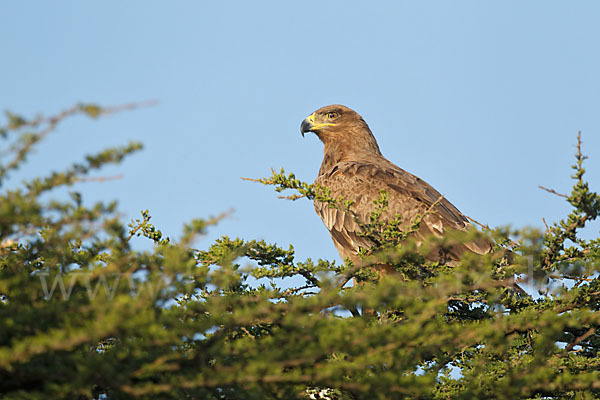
(482, 99)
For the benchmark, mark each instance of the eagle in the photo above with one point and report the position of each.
(354, 168)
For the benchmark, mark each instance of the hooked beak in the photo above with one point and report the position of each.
(308, 124)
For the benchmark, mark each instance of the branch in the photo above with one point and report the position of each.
(580, 339)
(553, 191)
(485, 227)
(91, 110)
(99, 178)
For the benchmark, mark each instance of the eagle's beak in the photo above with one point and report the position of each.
(308, 124)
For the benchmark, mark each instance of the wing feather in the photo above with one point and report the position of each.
(408, 195)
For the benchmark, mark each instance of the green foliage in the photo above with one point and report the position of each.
(83, 314)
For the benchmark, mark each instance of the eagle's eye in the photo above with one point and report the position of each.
(332, 115)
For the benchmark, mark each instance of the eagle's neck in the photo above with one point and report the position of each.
(350, 146)
(331, 157)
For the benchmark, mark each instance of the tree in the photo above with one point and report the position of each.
(85, 315)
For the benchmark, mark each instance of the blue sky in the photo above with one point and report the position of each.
(481, 99)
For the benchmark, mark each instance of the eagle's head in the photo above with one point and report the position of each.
(337, 125)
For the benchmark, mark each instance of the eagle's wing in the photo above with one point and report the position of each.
(408, 195)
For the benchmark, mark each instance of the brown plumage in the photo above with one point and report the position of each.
(354, 168)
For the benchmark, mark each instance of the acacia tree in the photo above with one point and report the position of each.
(83, 314)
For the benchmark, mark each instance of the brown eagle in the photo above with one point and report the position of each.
(354, 168)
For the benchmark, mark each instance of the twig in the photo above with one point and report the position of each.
(128, 106)
(467, 300)
(251, 180)
(135, 230)
(54, 120)
(99, 178)
(77, 109)
(484, 227)
(581, 338)
(553, 192)
(218, 218)
(432, 206)
(545, 224)
(292, 197)
(247, 332)
(293, 291)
